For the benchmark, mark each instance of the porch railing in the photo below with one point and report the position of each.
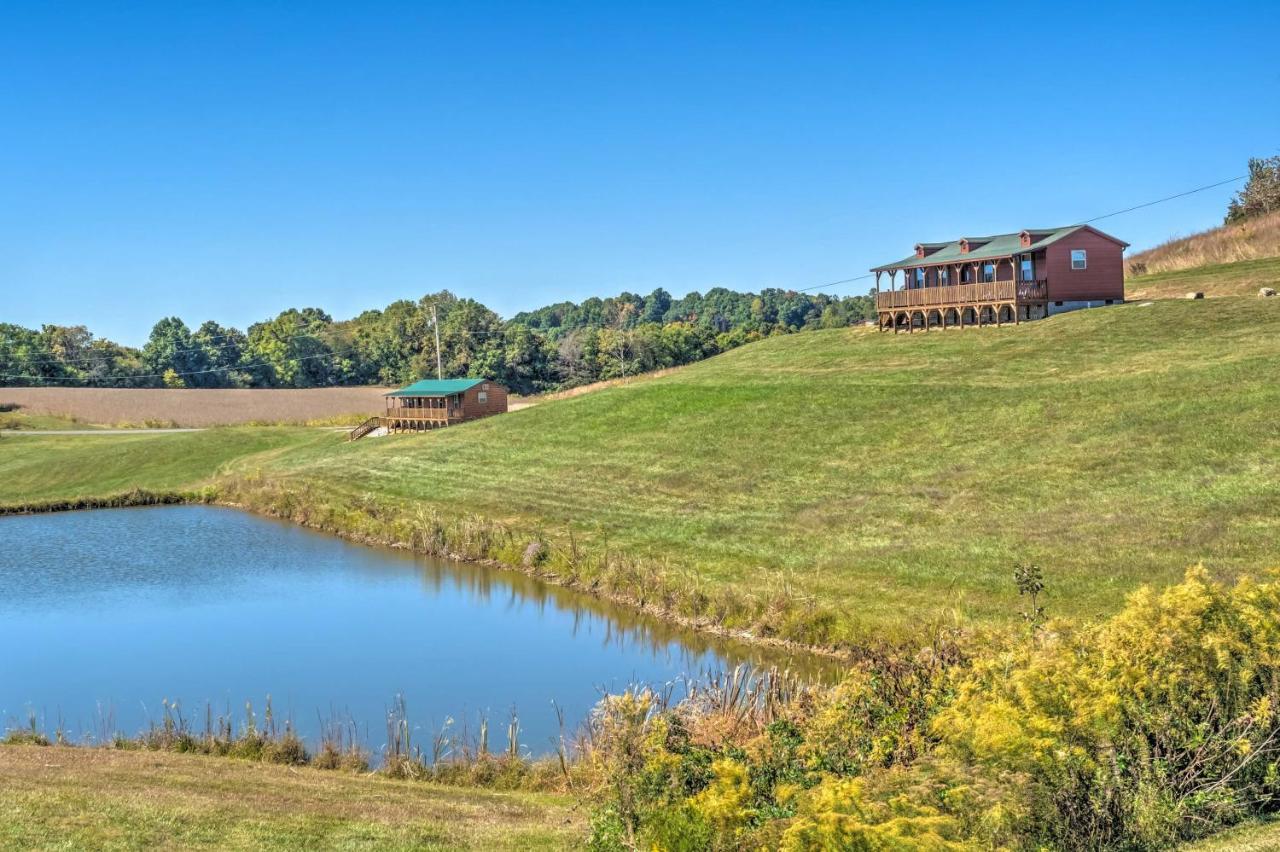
(434, 415)
(984, 292)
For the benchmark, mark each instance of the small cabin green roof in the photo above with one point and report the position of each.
(437, 387)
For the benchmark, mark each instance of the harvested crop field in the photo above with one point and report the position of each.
(212, 407)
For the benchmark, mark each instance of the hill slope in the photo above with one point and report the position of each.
(1244, 278)
(1252, 239)
(883, 479)
(895, 476)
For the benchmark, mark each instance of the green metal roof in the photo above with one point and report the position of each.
(1001, 245)
(437, 387)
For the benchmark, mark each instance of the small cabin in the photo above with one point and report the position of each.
(434, 403)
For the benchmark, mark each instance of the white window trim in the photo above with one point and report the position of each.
(1084, 261)
(483, 397)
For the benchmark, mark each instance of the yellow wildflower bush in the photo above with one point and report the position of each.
(835, 815)
(1154, 726)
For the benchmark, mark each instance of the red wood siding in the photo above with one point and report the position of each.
(472, 407)
(1103, 279)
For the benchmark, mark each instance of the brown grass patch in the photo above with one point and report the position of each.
(1250, 240)
(206, 407)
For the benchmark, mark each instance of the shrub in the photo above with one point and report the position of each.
(1155, 726)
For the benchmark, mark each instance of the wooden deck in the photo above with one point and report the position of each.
(958, 305)
(405, 420)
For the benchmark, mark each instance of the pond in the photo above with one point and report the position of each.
(105, 613)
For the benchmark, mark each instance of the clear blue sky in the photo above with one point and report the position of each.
(227, 160)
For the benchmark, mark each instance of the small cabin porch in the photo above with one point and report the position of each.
(420, 413)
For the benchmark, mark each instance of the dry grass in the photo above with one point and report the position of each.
(78, 798)
(213, 407)
(1251, 240)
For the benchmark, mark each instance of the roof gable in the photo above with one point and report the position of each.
(436, 387)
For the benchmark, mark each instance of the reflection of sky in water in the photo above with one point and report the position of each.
(120, 608)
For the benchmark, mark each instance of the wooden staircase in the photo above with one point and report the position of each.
(365, 428)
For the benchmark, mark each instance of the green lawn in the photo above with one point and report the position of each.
(41, 422)
(1225, 279)
(892, 478)
(57, 467)
(84, 798)
(1256, 837)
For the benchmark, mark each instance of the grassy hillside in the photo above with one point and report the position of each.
(83, 798)
(1228, 279)
(887, 479)
(1252, 239)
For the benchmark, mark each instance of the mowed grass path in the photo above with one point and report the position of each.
(89, 798)
(896, 478)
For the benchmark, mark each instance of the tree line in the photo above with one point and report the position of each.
(555, 347)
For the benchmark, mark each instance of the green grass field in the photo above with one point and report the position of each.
(1244, 278)
(87, 798)
(891, 478)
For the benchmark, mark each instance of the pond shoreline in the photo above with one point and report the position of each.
(214, 497)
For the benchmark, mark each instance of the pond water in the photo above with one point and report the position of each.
(105, 613)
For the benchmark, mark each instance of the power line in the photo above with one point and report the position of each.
(480, 333)
(1085, 222)
(1162, 200)
(184, 373)
(207, 349)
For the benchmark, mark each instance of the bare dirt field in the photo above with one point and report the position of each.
(213, 407)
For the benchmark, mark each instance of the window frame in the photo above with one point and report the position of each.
(1027, 267)
(985, 267)
(1084, 259)
(483, 397)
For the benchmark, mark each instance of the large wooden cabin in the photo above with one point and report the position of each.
(434, 403)
(1005, 278)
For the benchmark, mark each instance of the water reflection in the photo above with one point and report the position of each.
(120, 608)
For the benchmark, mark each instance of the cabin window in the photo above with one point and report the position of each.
(1079, 259)
(944, 276)
(485, 386)
(483, 397)
(1028, 272)
(988, 272)
(919, 278)
(964, 275)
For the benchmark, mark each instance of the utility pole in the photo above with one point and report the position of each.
(435, 323)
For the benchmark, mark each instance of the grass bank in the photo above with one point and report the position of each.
(68, 797)
(822, 487)
(1244, 278)
(1252, 239)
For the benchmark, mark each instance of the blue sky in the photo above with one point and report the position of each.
(227, 160)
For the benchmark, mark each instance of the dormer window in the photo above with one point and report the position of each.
(919, 250)
(964, 246)
(1025, 238)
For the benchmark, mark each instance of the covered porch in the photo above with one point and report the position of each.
(419, 413)
(957, 294)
